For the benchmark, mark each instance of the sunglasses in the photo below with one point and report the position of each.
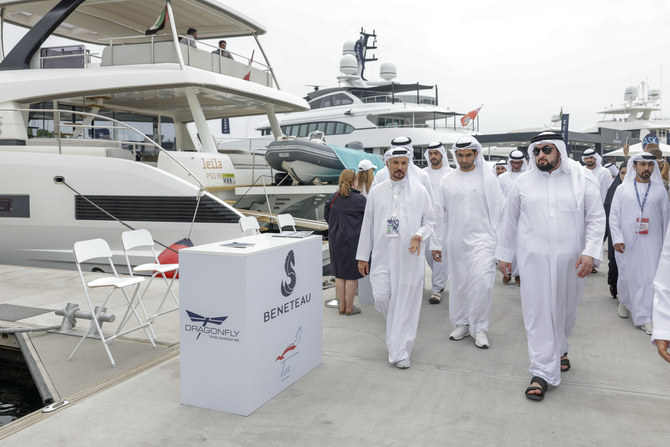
(545, 149)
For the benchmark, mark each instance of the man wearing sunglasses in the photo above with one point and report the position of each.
(398, 218)
(638, 220)
(469, 205)
(553, 220)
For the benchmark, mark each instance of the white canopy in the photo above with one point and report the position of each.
(636, 149)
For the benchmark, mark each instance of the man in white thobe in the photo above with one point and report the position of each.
(438, 168)
(500, 167)
(516, 165)
(661, 315)
(554, 221)
(468, 210)
(398, 217)
(416, 172)
(638, 220)
(593, 163)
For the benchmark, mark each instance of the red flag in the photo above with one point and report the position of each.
(465, 120)
(248, 75)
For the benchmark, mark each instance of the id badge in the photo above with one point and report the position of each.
(642, 225)
(392, 224)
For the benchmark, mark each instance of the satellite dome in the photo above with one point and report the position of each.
(388, 71)
(348, 48)
(654, 93)
(348, 64)
(631, 93)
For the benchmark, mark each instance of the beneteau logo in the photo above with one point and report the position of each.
(289, 264)
(211, 331)
(289, 352)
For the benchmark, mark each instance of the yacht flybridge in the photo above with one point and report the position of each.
(640, 114)
(95, 137)
(373, 112)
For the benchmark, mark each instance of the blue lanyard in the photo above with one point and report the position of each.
(644, 200)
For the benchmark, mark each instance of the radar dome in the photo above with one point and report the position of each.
(631, 93)
(388, 71)
(348, 48)
(348, 64)
(654, 94)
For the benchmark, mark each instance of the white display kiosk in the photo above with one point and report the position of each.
(250, 319)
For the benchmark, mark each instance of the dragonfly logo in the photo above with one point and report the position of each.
(197, 318)
(287, 286)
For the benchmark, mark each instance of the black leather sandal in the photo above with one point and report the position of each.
(542, 388)
(566, 363)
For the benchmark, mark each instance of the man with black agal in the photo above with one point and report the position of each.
(553, 220)
(398, 218)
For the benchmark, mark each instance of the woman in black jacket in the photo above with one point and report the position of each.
(344, 213)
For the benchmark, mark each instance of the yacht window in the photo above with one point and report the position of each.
(311, 128)
(330, 128)
(316, 104)
(15, 206)
(303, 130)
(341, 99)
(348, 128)
(321, 126)
(339, 128)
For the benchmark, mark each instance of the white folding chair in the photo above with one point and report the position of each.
(142, 238)
(98, 249)
(249, 225)
(285, 220)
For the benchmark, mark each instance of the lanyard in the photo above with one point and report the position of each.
(396, 195)
(644, 200)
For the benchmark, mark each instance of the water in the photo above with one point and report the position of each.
(18, 394)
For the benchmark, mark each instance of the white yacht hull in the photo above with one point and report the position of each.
(57, 217)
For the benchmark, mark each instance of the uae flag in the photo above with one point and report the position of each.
(160, 23)
(465, 120)
(248, 75)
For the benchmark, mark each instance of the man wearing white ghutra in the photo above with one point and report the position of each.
(638, 221)
(398, 217)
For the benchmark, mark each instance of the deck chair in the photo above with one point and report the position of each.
(285, 220)
(249, 225)
(142, 238)
(98, 249)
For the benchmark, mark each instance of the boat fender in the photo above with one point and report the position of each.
(171, 254)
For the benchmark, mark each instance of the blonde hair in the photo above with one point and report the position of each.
(365, 180)
(347, 178)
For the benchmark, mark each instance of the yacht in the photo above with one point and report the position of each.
(640, 114)
(111, 132)
(370, 113)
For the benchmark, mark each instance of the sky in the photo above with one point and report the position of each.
(523, 60)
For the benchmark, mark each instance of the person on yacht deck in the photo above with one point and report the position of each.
(438, 167)
(221, 51)
(398, 218)
(190, 38)
(469, 205)
(553, 220)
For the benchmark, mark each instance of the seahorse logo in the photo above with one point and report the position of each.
(288, 286)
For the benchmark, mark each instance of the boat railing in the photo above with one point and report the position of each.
(156, 49)
(77, 141)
